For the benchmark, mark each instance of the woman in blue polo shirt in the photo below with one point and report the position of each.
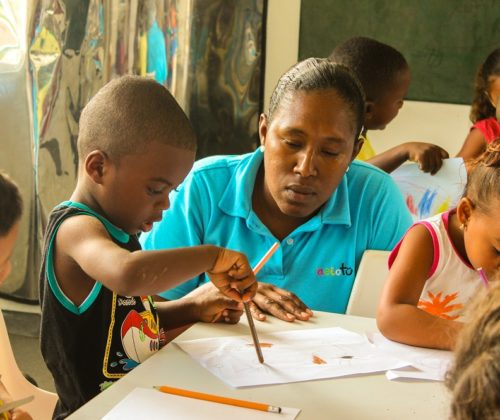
(300, 188)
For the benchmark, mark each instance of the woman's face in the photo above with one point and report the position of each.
(308, 146)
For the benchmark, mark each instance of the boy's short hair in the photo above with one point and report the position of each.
(11, 204)
(376, 64)
(128, 113)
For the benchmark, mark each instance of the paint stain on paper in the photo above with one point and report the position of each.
(262, 344)
(318, 360)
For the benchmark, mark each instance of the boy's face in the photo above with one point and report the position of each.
(135, 190)
(383, 110)
(6, 246)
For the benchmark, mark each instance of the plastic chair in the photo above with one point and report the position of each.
(18, 386)
(370, 279)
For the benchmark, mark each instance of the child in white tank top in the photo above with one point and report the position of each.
(434, 269)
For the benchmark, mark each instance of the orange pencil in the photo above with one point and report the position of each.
(218, 399)
(266, 256)
(251, 324)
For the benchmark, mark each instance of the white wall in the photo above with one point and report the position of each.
(444, 124)
(282, 42)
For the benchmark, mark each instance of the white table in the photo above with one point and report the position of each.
(356, 397)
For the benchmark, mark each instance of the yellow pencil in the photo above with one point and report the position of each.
(251, 324)
(218, 399)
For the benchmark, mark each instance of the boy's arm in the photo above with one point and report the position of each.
(205, 304)
(428, 156)
(15, 414)
(398, 316)
(85, 242)
(182, 225)
(473, 146)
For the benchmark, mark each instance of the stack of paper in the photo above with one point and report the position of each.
(290, 356)
(305, 355)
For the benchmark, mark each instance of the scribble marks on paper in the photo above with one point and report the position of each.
(267, 345)
(318, 360)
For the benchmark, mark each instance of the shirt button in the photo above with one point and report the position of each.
(289, 241)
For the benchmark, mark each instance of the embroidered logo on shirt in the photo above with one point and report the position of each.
(343, 270)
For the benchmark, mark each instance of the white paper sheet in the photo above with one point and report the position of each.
(427, 195)
(432, 363)
(416, 374)
(142, 403)
(290, 356)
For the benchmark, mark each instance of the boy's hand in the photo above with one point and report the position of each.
(212, 306)
(428, 156)
(19, 414)
(233, 276)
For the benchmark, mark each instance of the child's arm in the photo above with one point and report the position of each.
(15, 414)
(206, 304)
(473, 146)
(84, 252)
(398, 316)
(428, 156)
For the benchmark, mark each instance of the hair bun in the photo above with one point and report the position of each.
(491, 156)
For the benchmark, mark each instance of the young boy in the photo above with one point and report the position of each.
(11, 207)
(135, 146)
(385, 77)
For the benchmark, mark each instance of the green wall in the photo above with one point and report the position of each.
(444, 41)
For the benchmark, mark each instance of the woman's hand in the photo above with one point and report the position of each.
(278, 302)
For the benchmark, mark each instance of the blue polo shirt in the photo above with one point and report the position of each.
(317, 261)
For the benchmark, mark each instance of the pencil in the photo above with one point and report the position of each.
(482, 274)
(251, 324)
(218, 399)
(255, 339)
(266, 257)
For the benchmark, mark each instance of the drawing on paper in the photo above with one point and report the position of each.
(426, 195)
(290, 356)
(263, 345)
(318, 360)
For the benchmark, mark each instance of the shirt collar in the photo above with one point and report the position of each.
(113, 230)
(237, 197)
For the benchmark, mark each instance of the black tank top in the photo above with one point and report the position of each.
(87, 348)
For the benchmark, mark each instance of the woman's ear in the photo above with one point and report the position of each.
(95, 165)
(358, 144)
(465, 207)
(263, 121)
